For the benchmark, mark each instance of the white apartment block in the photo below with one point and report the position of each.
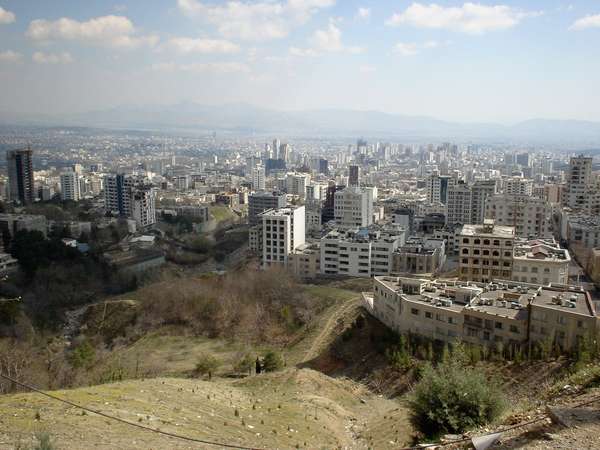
(359, 252)
(540, 262)
(282, 233)
(530, 216)
(437, 187)
(69, 186)
(258, 178)
(497, 315)
(353, 207)
(130, 196)
(296, 183)
(518, 186)
(579, 179)
(485, 252)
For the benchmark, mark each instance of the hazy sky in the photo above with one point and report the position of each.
(484, 61)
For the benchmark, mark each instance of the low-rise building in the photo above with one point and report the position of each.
(306, 260)
(419, 256)
(13, 223)
(499, 314)
(540, 262)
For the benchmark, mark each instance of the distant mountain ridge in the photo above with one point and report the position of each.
(248, 119)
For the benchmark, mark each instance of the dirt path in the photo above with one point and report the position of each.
(342, 312)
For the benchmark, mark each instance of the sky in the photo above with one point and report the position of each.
(485, 61)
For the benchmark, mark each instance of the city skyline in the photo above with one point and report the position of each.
(503, 61)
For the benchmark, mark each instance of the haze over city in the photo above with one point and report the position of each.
(468, 62)
(299, 224)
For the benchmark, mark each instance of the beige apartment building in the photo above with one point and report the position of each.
(494, 314)
(485, 252)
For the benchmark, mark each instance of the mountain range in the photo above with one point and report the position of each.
(246, 119)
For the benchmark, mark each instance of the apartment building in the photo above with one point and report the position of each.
(419, 256)
(305, 262)
(579, 179)
(494, 314)
(481, 190)
(359, 252)
(69, 186)
(459, 204)
(353, 207)
(485, 252)
(518, 186)
(530, 216)
(540, 262)
(282, 233)
(259, 202)
(143, 209)
(258, 178)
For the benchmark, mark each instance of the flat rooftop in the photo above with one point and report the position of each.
(488, 230)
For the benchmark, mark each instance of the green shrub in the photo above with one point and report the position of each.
(44, 442)
(273, 362)
(83, 355)
(453, 397)
(206, 365)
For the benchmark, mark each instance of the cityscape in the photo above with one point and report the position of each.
(235, 273)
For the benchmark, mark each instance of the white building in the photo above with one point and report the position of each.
(530, 216)
(437, 187)
(579, 179)
(540, 262)
(282, 233)
(518, 186)
(360, 252)
(258, 178)
(353, 207)
(69, 186)
(296, 183)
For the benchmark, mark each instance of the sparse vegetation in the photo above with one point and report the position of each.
(273, 361)
(206, 365)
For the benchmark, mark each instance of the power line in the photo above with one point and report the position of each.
(126, 422)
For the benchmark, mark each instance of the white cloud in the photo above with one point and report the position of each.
(52, 58)
(110, 31)
(260, 21)
(328, 40)
(220, 67)
(473, 18)
(10, 56)
(367, 69)
(412, 48)
(363, 13)
(6, 17)
(589, 21)
(406, 48)
(204, 46)
(302, 52)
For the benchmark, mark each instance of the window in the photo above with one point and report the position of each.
(514, 329)
(428, 315)
(486, 335)
(414, 311)
(498, 325)
(465, 241)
